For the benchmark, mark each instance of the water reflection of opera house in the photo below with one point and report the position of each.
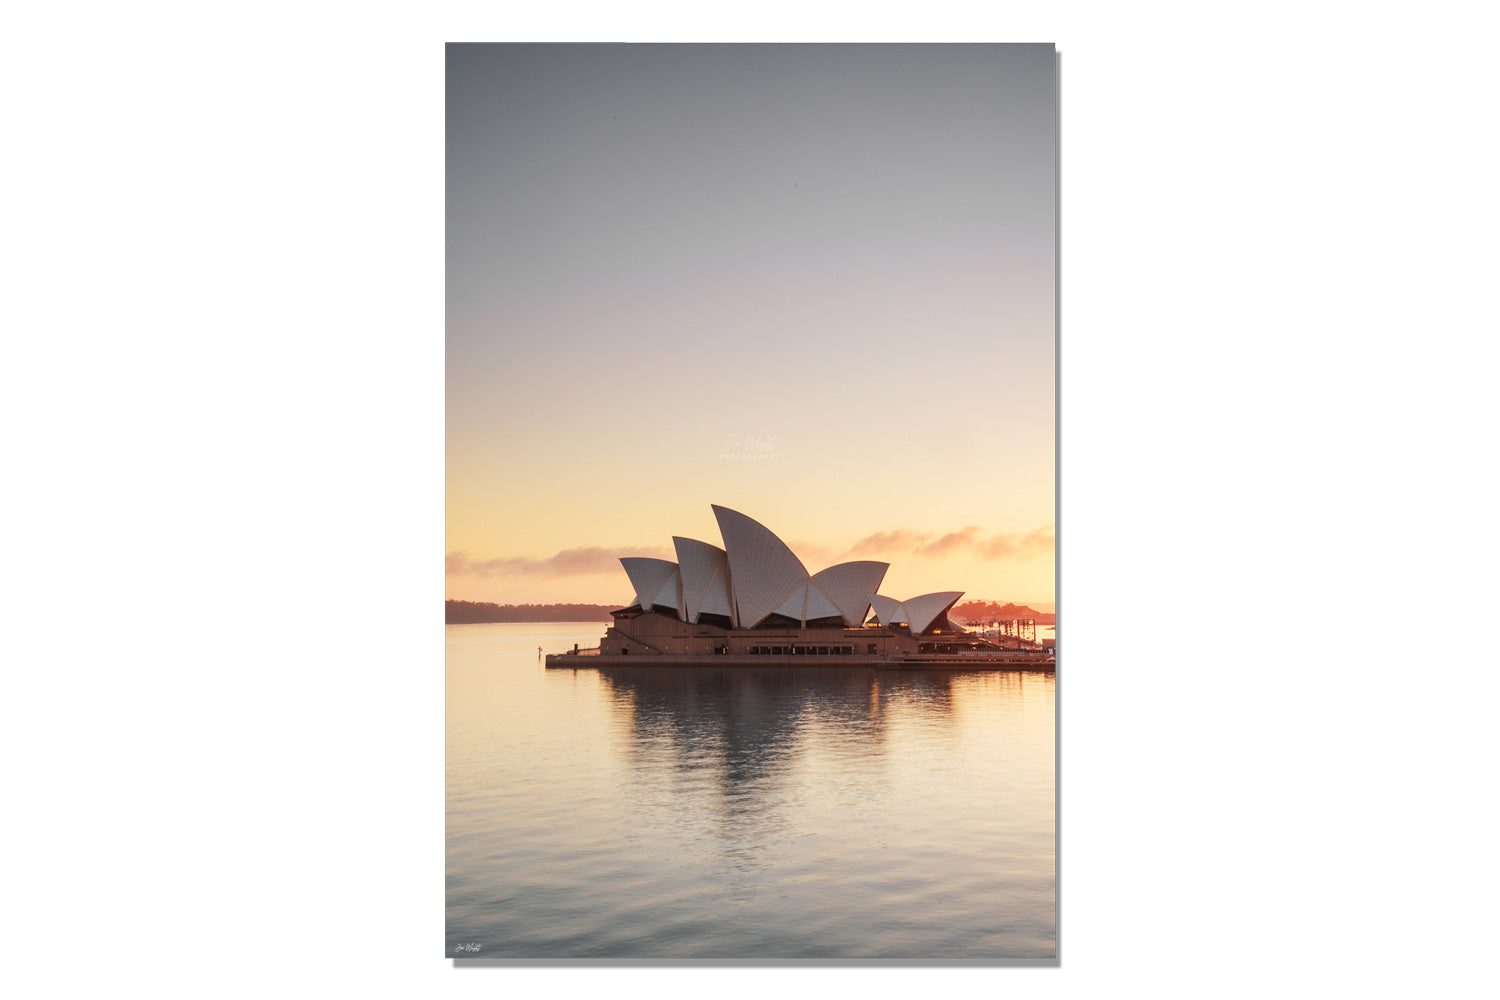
(754, 602)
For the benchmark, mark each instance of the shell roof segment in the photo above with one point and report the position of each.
(705, 578)
(763, 572)
(649, 577)
(916, 612)
(847, 585)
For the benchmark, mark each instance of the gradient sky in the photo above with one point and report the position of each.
(812, 283)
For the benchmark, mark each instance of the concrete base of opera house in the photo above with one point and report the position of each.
(1020, 661)
(653, 638)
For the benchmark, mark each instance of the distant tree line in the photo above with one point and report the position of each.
(474, 612)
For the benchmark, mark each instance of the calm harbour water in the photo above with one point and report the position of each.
(671, 812)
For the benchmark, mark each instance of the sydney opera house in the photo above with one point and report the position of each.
(753, 601)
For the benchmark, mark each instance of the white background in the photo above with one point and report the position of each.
(222, 388)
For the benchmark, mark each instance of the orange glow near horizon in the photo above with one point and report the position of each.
(999, 566)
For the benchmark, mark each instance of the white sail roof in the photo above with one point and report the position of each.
(923, 611)
(763, 572)
(847, 586)
(648, 577)
(670, 595)
(716, 602)
(819, 604)
(888, 610)
(917, 612)
(807, 602)
(705, 578)
(795, 606)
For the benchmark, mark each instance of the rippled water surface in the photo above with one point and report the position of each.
(743, 812)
